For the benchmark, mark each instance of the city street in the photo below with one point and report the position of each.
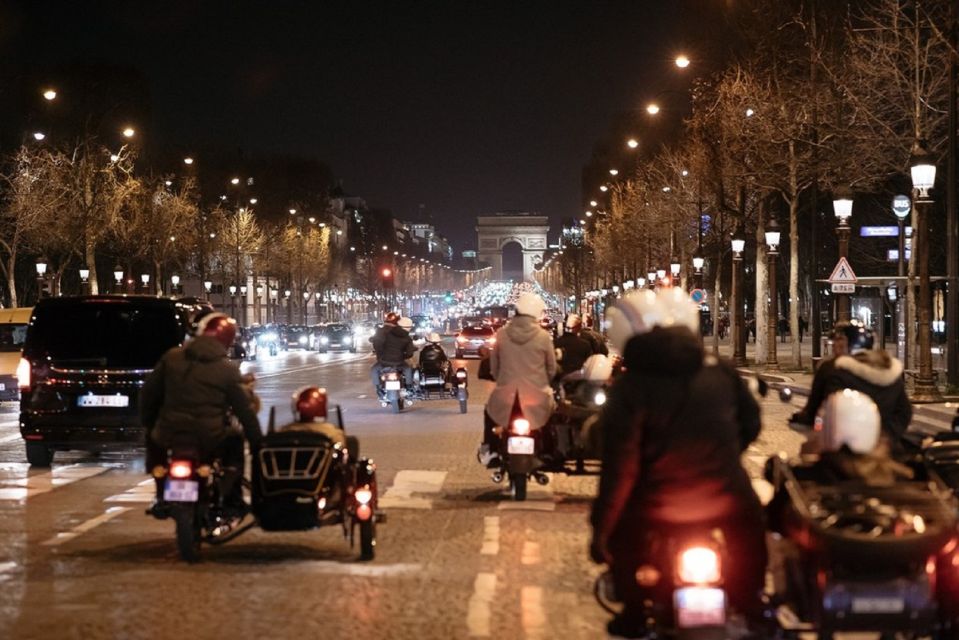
(457, 558)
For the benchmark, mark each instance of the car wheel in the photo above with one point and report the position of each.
(39, 454)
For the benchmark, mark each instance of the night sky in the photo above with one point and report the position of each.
(463, 107)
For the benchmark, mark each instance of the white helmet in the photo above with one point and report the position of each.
(597, 368)
(405, 323)
(639, 312)
(850, 418)
(434, 337)
(530, 304)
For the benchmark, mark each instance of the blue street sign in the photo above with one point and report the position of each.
(882, 232)
(901, 206)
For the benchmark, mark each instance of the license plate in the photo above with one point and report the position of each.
(520, 445)
(103, 401)
(878, 605)
(700, 607)
(392, 385)
(181, 490)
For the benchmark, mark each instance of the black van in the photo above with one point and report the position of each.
(84, 361)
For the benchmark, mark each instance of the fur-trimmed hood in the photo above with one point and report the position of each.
(875, 367)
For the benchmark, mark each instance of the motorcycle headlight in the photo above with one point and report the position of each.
(600, 398)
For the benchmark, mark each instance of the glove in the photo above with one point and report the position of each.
(598, 552)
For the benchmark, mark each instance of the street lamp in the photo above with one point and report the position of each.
(118, 277)
(188, 160)
(233, 300)
(923, 172)
(651, 279)
(674, 267)
(129, 132)
(176, 283)
(41, 276)
(772, 252)
(738, 243)
(207, 286)
(145, 279)
(698, 263)
(842, 205)
(85, 280)
(50, 95)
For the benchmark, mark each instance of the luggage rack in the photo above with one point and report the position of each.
(294, 463)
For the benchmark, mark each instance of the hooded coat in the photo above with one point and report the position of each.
(522, 362)
(874, 373)
(674, 427)
(392, 345)
(190, 391)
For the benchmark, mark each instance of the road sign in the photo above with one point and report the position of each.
(879, 232)
(901, 206)
(892, 255)
(843, 287)
(698, 296)
(842, 273)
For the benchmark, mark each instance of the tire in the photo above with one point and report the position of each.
(353, 350)
(458, 355)
(396, 404)
(518, 480)
(462, 406)
(187, 538)
(353, 448)
(39, 454)
(368, 539)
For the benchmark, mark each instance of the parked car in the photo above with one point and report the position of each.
(13, 331)
(84, 361)
(335, 336)
(470, 340)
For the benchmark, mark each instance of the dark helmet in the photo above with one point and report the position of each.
(858, 336)
(218, 326)
(392, 317)
(309, 404)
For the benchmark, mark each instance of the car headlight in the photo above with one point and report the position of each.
(324, 340)
(303, 340)
(347, 339)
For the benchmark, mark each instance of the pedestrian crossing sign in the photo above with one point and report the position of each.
(842, 273)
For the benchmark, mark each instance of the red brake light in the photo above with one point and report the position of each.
(699, 565)
(23, 373)
(521, 426)
(181, 469)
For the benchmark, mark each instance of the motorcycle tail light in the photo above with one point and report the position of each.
(363, 495)
(23, 373)
(647, 576)
(699, 565)
(181, 469)
(392, 376)
(364, 512)
(521, 426)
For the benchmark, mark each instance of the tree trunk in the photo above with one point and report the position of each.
(89, 257)
(794, 258)
(11, 280)
(762, 286)
(717, 283)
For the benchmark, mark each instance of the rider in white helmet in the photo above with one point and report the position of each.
(674, 427)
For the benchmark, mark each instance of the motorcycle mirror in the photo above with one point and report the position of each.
(786, 394)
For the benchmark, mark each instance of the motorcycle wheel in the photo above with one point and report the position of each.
(396, 404)
(518, 480)
(187, 538)
(367, 539)
(462, 406)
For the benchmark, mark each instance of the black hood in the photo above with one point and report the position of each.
(674, 351)
(205, 349)
(399, 332)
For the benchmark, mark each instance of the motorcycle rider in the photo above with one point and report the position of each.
(595, 339)
(825, 369)
(392, 346)
(523, 362)
(573, 349)
(189, 392)
(433, 359)
(674, 427)
(309, 405)
(873, 372)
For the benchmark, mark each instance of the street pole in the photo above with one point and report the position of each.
(902, 336)
(842, 299)
(773, 235)
(952, 210)
(923, 178)
(737, 323)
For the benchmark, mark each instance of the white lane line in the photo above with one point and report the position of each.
(363, 570)
(478, 612)
(26, 486)
(490, 536)
(406, 483)
(310, 367)
(83, 527)
(6, 568)
(531, 553)
(10, 423)
(531, 608)
(143, 492)
(10, 438)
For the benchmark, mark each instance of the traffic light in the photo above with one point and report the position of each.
(449, 297)
(386, 275)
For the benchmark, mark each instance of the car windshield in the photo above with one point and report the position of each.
(12, 337)
(337, 328)
(104, 334)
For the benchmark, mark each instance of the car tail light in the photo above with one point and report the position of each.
(181, 469)
(23, 373)
(363, 495)
(699, 565)
(462, 339)
(521, 426)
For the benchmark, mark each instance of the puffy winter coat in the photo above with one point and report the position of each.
(574, 349)
(522, 362)
(392, 345)
(190, 391)
(674, 427)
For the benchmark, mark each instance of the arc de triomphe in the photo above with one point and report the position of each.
(496, 231)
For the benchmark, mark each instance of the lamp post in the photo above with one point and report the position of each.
(674, 267)
(85, 281)
(923, 172)
(772, 252)
(175, 281)
(289, 306)
(306, 311)
(651, 280)
(145, 281)
(738, 243)
(274, 295)
(257, 306)
(842, 205)
(902, 207)
(245, 302)
(118, 278)
(41, 276)
(698, 263)
(233, 300)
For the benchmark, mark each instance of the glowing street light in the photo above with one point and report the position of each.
(593, 203)
(234, 181)
(750, 113)
(39, 135)
(50, 95)
(652, 108)
(632, 143)
(129, 132)
(614, 172)
(188, 160)
(682, 61)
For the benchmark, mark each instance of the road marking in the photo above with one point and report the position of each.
(25, 486)
(406, 483)
(531, 553)
(10, 438)
(143, 492)
(83, 527)
(363, 570)
(310, 367)
(478, 611)
(531, 607)
(6, 568)
(490, 536)
(526, 505)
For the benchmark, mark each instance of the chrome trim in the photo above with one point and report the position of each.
(101, 371)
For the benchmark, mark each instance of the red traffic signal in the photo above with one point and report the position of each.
(387, 272)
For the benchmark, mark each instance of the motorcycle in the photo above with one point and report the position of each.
(681, 576)
(300, 480)
(438, 384)
(392, 391)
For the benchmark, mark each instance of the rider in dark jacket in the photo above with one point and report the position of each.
(674, 428)
(392, 345)
(574, 349)
(188, 394)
